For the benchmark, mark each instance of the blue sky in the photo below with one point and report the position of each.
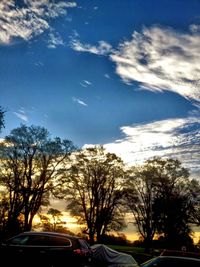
(124, 74)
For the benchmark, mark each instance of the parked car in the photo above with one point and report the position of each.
(49, 249)
(172, 261)
(103, 256)
(182, 253)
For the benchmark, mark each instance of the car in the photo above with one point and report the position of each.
(104, 256)
(182, 253)
(49, 249)
(172, 261)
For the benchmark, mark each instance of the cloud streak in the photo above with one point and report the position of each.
(21, 114)
(177, 138)
(55, 40)
(103, 48)
(29, 19)
(161, 59)
(85, 83)
(79, 101)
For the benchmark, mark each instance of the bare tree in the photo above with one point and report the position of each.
(154, 191)
(30, 163)
(140, 194)
(2, 113)
(93, 191)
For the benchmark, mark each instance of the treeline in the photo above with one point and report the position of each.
(98, 188)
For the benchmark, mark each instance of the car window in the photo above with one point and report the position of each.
(59, 241)
(18, 240)
(38, 240)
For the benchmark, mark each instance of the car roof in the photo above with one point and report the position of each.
(179, 257)
(177, 253)
(51, 234)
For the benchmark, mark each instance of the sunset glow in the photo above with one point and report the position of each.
(122, 74)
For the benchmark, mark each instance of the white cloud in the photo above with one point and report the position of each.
(161, 59)
(195, 28)
(85, 83)
(28, 19)
(106, 75)
(21, 114)
(54, 40)
(176, 138)
(103, 48)
(77, 100)
(157, 58)
(39, 64)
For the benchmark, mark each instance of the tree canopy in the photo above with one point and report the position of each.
(161, 198)
(30, 162)
(94, 189)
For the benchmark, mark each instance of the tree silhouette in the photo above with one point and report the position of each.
(2, 113)
(159, 194)
(31, 163)
(93, 190)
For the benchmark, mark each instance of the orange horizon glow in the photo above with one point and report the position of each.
(131, 233)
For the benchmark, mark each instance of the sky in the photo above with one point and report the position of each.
(124, 74)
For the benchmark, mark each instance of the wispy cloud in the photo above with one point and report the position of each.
(39, 64)
(103, 48)
(29, 18)
(195, 28)
(21, 114)
(106, 75)
(177, 138)
(85, 83)
(79, 101)
(54, 40)
(161, 59)
(157, 59)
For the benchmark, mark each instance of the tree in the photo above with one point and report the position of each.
(31, 162)
(93, 190)
(3, 213)
(195, 196)
(139, 195)
(119, 239)
(56, 217)
(175, 201)
(2, 112)
(52, 221)
(160, 200)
